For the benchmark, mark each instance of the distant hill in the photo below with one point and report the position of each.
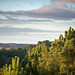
(21, 50)
(12, 45)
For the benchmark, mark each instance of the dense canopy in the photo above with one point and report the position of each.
(46, 58)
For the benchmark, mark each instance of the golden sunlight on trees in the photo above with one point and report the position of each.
(56, 58)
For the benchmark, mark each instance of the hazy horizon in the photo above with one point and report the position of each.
(30, 21)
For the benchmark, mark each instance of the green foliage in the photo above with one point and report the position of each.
(6, 55)
(12, 69)
(59, 59)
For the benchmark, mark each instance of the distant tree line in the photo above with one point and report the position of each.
(46, 58)
(7, 54)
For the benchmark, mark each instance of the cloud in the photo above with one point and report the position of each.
(65, 0)
(21, 19)
(17, 31)
(52, 13)
(49, 12)
(22, 31)
(60, 5)
(26, 35)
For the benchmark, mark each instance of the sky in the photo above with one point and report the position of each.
(30, 21)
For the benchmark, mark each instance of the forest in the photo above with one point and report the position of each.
(44, 58)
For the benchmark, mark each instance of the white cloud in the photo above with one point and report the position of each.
(53, 11)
